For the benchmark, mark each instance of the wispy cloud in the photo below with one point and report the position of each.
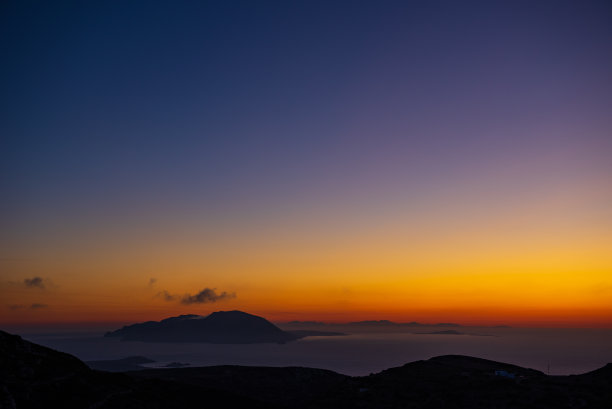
(14, 307)
(207, 295)
(167, 296)
(34, 282)
(35, 306)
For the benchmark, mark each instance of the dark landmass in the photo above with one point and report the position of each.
(132, 363)
(36, 377)
(452, 332)
(32, 376)
(386, 323)
(373, 322)
(446, 332)
(222, 327)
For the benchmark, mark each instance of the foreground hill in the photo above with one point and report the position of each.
(222, 327)
(32, 376)
(451, 381)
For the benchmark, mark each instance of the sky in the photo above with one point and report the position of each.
(426, 161)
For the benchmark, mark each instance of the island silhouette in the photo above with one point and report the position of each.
(221, 327)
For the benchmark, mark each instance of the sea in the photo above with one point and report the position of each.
(362, 351)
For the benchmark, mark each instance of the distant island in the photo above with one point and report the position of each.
(371, 323)
(387, 323)
(222, 327)
(446, 332)
(131, 363)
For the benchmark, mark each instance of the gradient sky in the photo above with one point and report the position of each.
(410, 160)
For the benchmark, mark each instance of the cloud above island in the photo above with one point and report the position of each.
(205, 296)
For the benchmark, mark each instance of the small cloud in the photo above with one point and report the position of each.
(35, 306)
(166, 296)
(34, 282)
(207, 295)
(152, 281)
(14, 307)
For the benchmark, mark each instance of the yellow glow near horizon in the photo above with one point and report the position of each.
(539, 259)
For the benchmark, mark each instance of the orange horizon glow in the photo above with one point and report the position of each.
(504, 299)
(529, 319)
(403, 161)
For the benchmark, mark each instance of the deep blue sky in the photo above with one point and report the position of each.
(409, 160)
(119, 109)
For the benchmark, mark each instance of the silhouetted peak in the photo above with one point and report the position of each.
(373, 322)
(236, 317)
(604, 371)
(440, 367)
(219, 327)
(183, 317)
(465, 361)
(444, 332)
(23, 359)
(234, 314)
(36, 377)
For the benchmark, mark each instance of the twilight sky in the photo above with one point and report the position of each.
(409, 160)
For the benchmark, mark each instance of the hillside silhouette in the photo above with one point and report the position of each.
(32, 376)
(222, 327)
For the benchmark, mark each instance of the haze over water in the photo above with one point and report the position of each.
(562, 351)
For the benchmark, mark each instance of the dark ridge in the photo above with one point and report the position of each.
(603, 372)
(222, 327)
(387, 323)
(445, 332)
(36, 377)
(455, 365)
(32, 376)
(373, 322)
(26, 360)
(291, 387)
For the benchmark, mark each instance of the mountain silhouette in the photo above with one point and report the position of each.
(387, 323)
(36, 377)
(222, 327)
(32, 376)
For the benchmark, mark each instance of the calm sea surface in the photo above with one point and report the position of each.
(565, 351)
